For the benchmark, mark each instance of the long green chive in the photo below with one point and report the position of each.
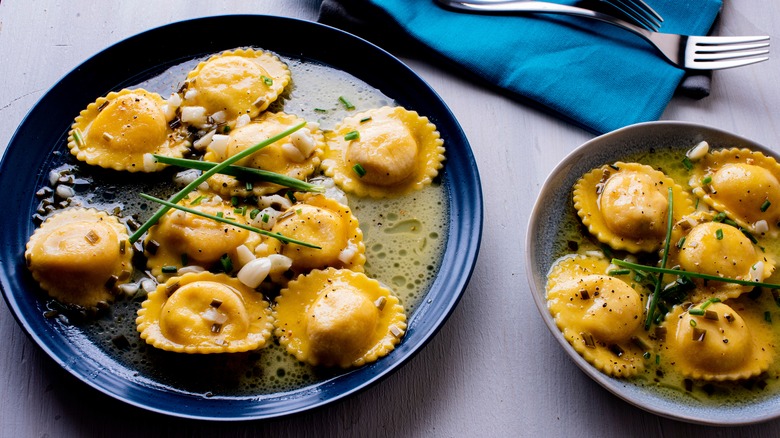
(657, 291)
(243, 173)
(638, 267)
(765, 205)
(347, 104)
(359, 170)
(706, 180)
(719, 234)
(228, 221)
(686, 162)
(208, 174)
(352, 135)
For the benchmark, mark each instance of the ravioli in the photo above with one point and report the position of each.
(79, 256)
(205, 313)
(326, 223)
(626, 206)
(720, 344)
(338, 318)
(233, 83)
(383, 152)
(297, 155)
(182, 239)
(122, 130)
(743, 184)
(600, 315)
(718, 249)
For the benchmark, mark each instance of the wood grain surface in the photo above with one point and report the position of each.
(493, 370)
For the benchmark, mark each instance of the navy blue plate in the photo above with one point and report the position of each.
(41, 138)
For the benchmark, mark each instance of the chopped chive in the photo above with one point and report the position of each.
(249, 186)
(686, 162)
(606, 250)
(619, 271)
(320, 110)
(706, 180)
(240, 211)
(220, 214)
(359, 170)
(365, 120)
(268, 81)
(646, 355)
(346, 103)
(708, 302)
(226, 129)
(265, 218)
(765, 205)
(197, 200)
(681, 242)
(697, 312)
(78, 138)
(719, 234)
(253, 214)
(234, 201)
(730, 222)
(243, 173)
(227, 263)
(768, 316)
(298, 211)
(278, 236)
(693, 321)
(208, 174)
(720, 217)
(352, 135)
(169, 269)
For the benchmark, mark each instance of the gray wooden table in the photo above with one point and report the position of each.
(493, 369)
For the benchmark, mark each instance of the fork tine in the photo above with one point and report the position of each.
(641, 8)
(719, 40)
(704, 48)
(717, 65)
(727, 55)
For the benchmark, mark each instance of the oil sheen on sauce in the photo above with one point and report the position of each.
(404, 239)
(660, 378)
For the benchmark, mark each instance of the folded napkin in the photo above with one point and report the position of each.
(588, 72)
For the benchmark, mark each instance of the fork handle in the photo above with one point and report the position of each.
(521, 6)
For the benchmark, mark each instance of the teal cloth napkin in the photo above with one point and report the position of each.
(591, 73)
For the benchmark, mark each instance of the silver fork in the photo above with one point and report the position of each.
(684, 51)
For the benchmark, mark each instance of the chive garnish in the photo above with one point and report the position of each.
(208, 174)
(359, 170)
(220, 214)
(228, 221)
(244, 173)
(706, 180)
(227, 263)
(618, 272)
(697, 312)
(77, 137)
(657, 290)
(638, 267)
(765, 205)
(708, 302)
(169, 269)
(352, 135)
(686, 162)
(681, 242)
(365, 120)
(266, 217)
(346, 103)
(197, 200)
(720, 217)
(320, 110)
(249, 186)
(719, 234)
(268, 81)
(234, 201)
(253, 214)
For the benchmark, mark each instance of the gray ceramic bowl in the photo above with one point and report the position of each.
(545, 224)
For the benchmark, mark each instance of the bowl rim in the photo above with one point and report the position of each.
(611, 384)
